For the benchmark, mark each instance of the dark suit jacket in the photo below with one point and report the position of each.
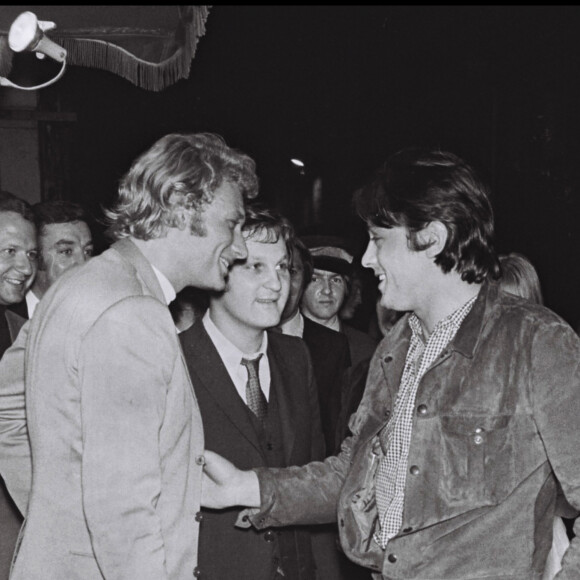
(331, 361)
(21, 309)
(10, 518)
(224, 550)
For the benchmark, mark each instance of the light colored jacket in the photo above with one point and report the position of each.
(115, 430)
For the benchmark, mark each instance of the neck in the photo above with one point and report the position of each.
(452, 293)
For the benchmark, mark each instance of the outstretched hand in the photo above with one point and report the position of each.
(224, 485)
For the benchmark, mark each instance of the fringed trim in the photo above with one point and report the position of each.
(5, 57)
(147, 75)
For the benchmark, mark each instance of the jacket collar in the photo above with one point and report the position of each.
(465, 341)
(131, 253)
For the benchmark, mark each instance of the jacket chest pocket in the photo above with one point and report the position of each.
(477, 459)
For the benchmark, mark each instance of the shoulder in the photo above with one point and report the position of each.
(92, 288)
(285, 343)
(194, 336)
(314, 330)
(515, 313)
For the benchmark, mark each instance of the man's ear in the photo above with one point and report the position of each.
(181, 212)
(181, 217)
(435, 236)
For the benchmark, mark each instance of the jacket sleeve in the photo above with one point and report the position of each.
(556, 401)
(15, 462)
(302, 495)
(126, 362)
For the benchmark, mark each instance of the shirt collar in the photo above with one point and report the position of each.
(31, 302)
(453, 320)
(227, 349)
(166, 286)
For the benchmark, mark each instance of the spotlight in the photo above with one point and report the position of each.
(27, 35)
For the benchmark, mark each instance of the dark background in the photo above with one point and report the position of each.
(342, 88)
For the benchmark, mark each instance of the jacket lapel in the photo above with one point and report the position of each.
(209, 373)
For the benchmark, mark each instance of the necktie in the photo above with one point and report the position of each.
(254, 395)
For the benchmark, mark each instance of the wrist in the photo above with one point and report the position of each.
(248, 489)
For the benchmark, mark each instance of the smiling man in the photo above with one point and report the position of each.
(18, 249)
(18, 263)
(64, 241)
(258, 402)
(468, 425)
(115, 431)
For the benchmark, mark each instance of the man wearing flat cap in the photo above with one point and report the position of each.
(333, 262)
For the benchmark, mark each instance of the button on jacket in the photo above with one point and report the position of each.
(496, 424)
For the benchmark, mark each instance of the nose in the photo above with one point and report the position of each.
(326, 288)
(24, 264)
(239, 245)
(273, 282)
(368, 259)
(80, 258)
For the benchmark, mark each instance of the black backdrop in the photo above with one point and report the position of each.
(343, 87)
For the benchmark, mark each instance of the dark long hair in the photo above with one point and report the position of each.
(417, 186)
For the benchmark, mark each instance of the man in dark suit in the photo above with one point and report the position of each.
(328, 349)
(262, 415)
(18, 255)
(323, 298)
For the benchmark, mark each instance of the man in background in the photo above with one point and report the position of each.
(328, 349)
(64, 241)
(328, 290)
(18, 262)
(321, 302)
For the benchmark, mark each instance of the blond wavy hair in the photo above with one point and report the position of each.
(180, 171)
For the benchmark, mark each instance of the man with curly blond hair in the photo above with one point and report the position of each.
(116, 435)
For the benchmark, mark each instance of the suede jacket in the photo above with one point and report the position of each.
(496, 426)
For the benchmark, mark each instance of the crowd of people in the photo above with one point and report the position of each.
(195, 402)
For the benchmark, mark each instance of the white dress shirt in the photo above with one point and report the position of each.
(31, 302)
(232, 357)
(166, 286)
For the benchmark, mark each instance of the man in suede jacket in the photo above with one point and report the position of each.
(469, 421)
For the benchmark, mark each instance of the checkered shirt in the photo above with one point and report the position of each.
(395, 438)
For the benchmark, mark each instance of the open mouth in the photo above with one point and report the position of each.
(15, 282)
(267, 300)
